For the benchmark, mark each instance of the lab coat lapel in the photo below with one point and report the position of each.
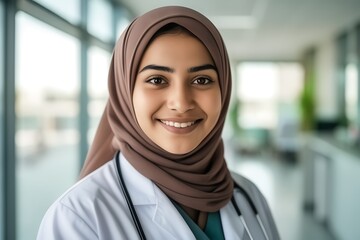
(232, 226)
(144, 192)
(168, 218)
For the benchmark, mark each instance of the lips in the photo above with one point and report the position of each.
(178, 126)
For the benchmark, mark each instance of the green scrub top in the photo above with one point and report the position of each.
(213, 228)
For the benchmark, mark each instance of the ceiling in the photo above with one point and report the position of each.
(268, 29)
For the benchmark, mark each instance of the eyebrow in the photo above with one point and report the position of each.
(202, 67)
(171, 70)
(157, 67)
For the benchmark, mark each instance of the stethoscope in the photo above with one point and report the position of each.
(136, 220)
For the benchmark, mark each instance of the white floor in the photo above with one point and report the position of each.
(281, 184)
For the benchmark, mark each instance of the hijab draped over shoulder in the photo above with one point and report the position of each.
(200, 179)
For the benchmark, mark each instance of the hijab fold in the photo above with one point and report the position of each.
(199, 179)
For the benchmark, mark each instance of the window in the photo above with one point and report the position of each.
(50, 88)
(351, 93)
(47, 137)
(99, 61)
(68, 9)
(352, 84)
(257, 93)
(267, 92)
(100, 19)
(122, 21)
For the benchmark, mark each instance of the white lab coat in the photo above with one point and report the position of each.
(95, 208)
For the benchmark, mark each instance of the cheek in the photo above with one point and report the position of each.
(144, 104)
(212, 106)
(139, 104)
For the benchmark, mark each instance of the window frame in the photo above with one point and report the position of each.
(2, 126)
(8, 123)
(8, 10)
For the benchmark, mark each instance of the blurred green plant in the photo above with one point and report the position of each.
(307, 97)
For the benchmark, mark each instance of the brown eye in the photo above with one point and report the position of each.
(202, 81)
(156, 81)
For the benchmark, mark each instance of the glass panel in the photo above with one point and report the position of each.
(342, 46)
(99, 61)
(352, 88)
(351, 93)
(68, 9)
(258, 89)
(290, 82)
(47, 138)
(268, 92)
(122, 21)
(100, 19)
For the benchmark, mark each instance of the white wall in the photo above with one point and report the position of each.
(343, 196)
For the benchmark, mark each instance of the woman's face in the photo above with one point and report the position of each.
(177, 99)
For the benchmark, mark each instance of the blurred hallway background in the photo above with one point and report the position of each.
(293, 125)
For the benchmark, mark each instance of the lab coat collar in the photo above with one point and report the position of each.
(232, 226)
(140, 188)
(144, 192)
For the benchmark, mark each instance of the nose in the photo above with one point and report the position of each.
(180, 99)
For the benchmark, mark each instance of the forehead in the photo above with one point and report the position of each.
(175, 48)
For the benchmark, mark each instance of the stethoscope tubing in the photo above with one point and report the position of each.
(128, 201)
(137, 221)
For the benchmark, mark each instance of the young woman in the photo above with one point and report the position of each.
(156, 169)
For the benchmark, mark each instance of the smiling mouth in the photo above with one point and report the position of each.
(179, 124)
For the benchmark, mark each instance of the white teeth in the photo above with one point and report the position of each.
(178, 124)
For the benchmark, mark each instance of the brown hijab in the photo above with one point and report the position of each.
(197, 180)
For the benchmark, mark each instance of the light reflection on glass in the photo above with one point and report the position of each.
(268, 91)
(68, 9)
(99, 61)
(100, 19)
(47, 107)
(351, 92)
